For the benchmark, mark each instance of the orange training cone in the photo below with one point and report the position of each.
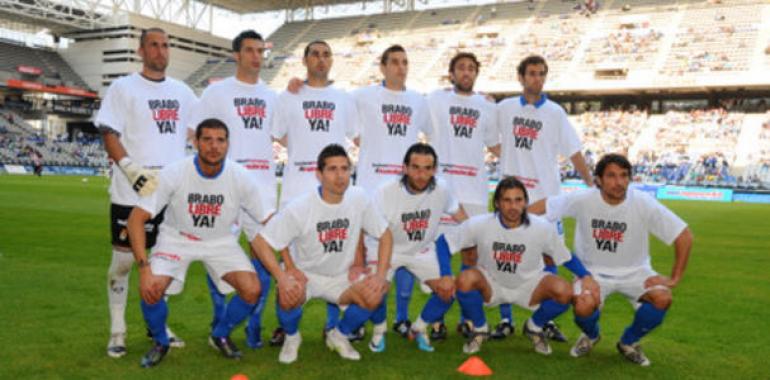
(474, 366)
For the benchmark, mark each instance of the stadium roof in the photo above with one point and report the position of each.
(250, 6)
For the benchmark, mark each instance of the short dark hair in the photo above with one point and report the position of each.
(211, 124)
(611, 158)
(391, 49)
(331, 150)
(420, 148)
(531, 60)
(147, 31)
(245, 35)
(462, 55)
(509, 183)
(314, 42)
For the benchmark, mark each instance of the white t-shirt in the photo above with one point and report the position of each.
(201, 208)
(532, 137)
(389, 122)
(311, 120)
(413, 219)
(614, 240)
(464, 125)
(152, 119)
(323, 236)
(512, 256)
(247, 110)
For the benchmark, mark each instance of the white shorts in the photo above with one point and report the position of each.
(423, 265)
(172, 258)
(520, 295)
(326, 288)
(630, 285)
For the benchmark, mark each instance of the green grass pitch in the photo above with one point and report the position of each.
(54, 253)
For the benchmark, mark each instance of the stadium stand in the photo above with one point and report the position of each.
(55, 70)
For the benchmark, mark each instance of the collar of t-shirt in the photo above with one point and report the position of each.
(537, 104)
(202, 174)
(394, 92)
(152, 80)
(245, 84)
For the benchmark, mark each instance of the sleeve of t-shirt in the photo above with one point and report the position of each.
(491, 135)
(202, 109)
(374, 222)
(663, 223)
(280, 117)
(463, 236)
(555, 247)
(252, 199)
(281, 229)
(351, 118)
(452, 205)
(568, 138)
(426, 122)
(168, 180)
(560, 206)
(112, 109)
(499, 123)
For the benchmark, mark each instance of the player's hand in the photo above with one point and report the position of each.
(445, 288)
(295, 84)
(297, 275)
(375, 287)
(143, 181)
(150, 287)
(356, 271)
(659, 280)
(291, 292)
(589, 286)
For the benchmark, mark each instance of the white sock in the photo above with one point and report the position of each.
(380, 329)
(419, 325)
(482, 329)
(117, 289)
(533, 327)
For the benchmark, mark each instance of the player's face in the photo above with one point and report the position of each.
(464, 74)
(335, 177)
(420, 171)
(614, 182)
(533, 79)
(212, 146)
(395, 68)
(511, 205)
(154, 52)
(249, 58)
(318, 61)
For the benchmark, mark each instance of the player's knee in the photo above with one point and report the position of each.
(250, 291)
(584, 305)
(661, 300)
(562, 291)
(466, 280)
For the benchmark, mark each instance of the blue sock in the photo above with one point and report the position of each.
(255, 322)
(551, 268)
(289, 319)
(217, 301)
(404, 285)
(155, 317)
(647, 318)
(435, 309)
(506, 312)
(548, 310)
(332, 316)
(236, 311)
(589, 324)
(380, 314)
(472, 306)
(354, 317)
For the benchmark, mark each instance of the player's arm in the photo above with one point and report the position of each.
(579, 163)
(460, 216)
(150, 289)
(142, 180)
(290, 289)
(359, 260)
(682, 247)
(495, 149)
(295, 84)
(537, 208)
